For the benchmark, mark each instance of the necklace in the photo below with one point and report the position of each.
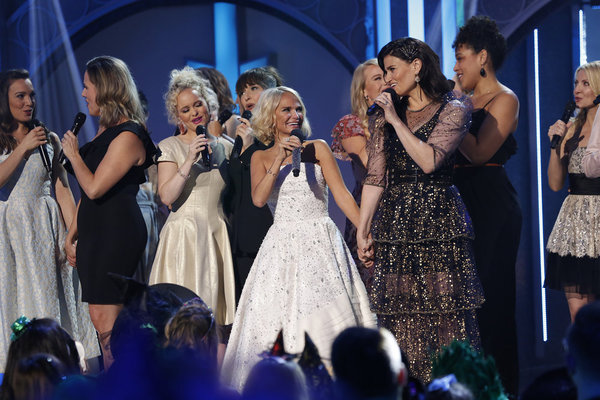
(420, 109)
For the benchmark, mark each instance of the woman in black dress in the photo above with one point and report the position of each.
(108, 234)
(249, 224)
(425, 288)
(486, 190)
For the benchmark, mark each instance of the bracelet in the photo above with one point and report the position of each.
(182, 175)
(269, 172)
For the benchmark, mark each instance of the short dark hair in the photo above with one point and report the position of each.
(362, 364)
(432, 80)
(481, 32)
(583, 339)
(37, 376)
(275, 378)
(265, 77)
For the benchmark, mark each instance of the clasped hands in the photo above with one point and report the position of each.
(366, 253)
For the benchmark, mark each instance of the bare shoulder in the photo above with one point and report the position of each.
(258, 157)
(319, 144)
(505, 98)
(127, 138)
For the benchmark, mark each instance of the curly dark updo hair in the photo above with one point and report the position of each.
(481, 32)
(432, 80)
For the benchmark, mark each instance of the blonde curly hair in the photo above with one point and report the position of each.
(188, 78)
(263, 120)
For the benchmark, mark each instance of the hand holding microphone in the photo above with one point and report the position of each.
(38, 137)
(201, 130)
(558, 129)
(71, 142)
(297, 152)
(376, 107)
(242, 134)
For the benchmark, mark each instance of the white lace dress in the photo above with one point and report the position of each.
(303, 279)
(35, 278)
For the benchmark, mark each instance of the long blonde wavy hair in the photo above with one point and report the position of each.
(592, 70)
(263, 118)
(357, 96)
(116, 92)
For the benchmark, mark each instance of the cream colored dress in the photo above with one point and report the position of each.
(193, 248)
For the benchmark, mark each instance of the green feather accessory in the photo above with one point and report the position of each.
(471, 368)
(19, 327)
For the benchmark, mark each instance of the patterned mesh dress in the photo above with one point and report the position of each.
(574, 244)
(425, 288)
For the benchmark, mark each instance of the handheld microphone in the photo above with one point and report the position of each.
(296, 154)
(247, 115)
(597, 100)
(567, 112)
(375, 107)
(201, 130)
(42, 147)
(224, 116)
(239, 143)
(77, 124)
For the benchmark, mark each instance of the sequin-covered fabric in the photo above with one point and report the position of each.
(349, 126)
(425, 287)
(35, 278)
(574, 244)
(303, 279)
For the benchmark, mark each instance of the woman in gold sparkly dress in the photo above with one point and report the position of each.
(425, 288)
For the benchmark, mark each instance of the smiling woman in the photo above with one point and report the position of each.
(489, 195)
(35, 278)
(303, 278)
(425, 288)
(193, 249)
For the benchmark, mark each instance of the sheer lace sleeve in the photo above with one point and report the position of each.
(453, 123)
(376, 165)
(348, 126)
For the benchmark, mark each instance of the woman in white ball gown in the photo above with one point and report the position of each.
(303, 278)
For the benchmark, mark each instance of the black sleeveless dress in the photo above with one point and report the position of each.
(494, 208)
(112, 231)
(249, 224)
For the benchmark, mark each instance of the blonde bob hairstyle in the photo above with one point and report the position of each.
(116, 92)
(592, 70)
(188, 78)
(263, 119)
(357, 93)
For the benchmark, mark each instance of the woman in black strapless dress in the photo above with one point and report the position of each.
(108, 234)
(486, 190)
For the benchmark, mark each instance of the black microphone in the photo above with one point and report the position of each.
(567, 112)
(296, 154)
(375, 107)
(201, 130)
(42, 147)
(247, 115)
(224, 116)
(597, 100)
(77, 124)
(239, 143)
